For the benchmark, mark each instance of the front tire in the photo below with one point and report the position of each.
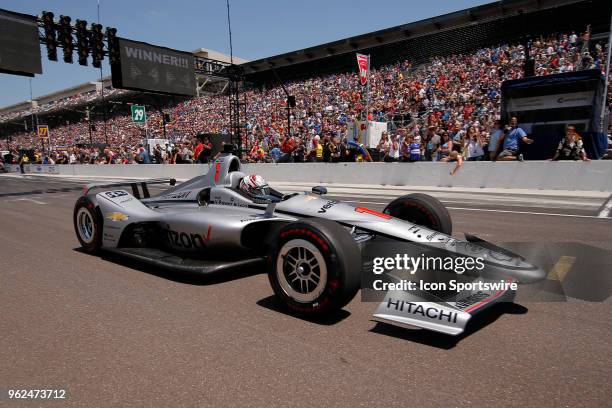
(88, 224)
(314, 267)
(421, 209)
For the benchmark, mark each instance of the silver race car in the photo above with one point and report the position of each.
(311, 246)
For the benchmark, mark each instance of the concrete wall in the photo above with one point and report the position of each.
(543, 175)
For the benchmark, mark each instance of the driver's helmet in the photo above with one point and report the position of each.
(254, 185)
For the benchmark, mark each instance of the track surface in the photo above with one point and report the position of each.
(114, 333)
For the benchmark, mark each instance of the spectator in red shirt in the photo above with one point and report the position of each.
(198, 149)
(287, 147)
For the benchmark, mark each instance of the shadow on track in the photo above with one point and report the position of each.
(445, 341)
(180, 277)
(272, 303)
(37, 192)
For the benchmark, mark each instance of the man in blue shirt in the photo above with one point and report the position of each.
(415, 149)
(143, 155)
(511, 142)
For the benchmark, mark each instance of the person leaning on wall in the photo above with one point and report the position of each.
(571, 146)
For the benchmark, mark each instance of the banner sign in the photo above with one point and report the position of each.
(40, 168)
(151, 143)
(43, 131)
(564, 100)
(139, 114)
(363, 62)
(147, 67)
(12, 168)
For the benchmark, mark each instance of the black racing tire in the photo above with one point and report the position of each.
(421, 209)
(330, 263)
(88, 223)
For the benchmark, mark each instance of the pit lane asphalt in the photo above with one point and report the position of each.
(114, 333)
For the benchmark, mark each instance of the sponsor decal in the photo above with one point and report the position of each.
(188, 240)
(232, 202)
(217, 172)
(365, 210)
(327, 206)
(431, 236)
(470, 300)
(176, 196)
(115, 194)
(471, 247)
(429, 312)
(438, 238)
(116, 216)
(500, 256)
(109, 237)
(414, 228)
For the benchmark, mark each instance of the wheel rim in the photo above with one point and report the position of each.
(85, 225)
(301, 270)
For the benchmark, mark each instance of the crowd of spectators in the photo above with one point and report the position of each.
(446, 109)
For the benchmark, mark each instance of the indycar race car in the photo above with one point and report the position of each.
(311, 246)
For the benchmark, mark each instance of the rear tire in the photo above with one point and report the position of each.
(421, 209)
(87, 221)
(314, 267)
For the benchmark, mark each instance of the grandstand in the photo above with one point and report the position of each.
(68, 104)
(446, 71)
(501, 22)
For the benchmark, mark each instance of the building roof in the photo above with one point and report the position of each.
(450, 21)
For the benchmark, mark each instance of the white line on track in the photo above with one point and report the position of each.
(499, 211)
(525, 212)
(605, 209)
(31, 200)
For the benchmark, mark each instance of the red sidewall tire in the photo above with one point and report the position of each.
(342, 259)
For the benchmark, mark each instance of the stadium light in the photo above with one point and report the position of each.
(50, 38)
(82, 41)
(65, 38)
(96, 42)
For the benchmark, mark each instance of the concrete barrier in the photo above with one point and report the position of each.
(538, 175)
(12, 168)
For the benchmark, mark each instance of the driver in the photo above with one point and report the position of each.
(254, 186)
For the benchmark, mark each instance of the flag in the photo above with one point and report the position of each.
(363, 62)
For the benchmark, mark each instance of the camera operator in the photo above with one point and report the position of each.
(510, 140)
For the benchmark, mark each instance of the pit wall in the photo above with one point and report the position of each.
(539, 175)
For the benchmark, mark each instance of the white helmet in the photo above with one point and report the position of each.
(254, 185)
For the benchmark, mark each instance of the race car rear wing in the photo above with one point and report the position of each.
(143, 184)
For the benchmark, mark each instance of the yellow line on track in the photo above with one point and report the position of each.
(561, 268)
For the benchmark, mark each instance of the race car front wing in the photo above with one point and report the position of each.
(424, 310)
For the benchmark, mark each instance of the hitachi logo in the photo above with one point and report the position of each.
(429, 312)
